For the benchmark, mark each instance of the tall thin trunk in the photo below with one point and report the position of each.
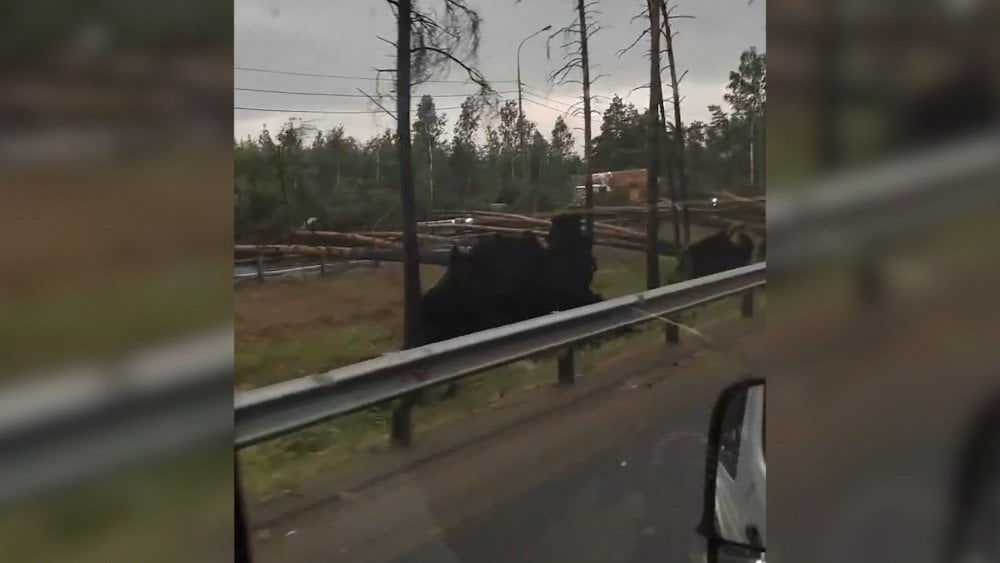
(653, 171)
(761, 150)
(430, 172)
(668, 166)
(289, 217)
(587, 155)
(678, 124)
(412, 334)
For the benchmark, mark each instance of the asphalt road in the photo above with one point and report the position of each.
(613, 475)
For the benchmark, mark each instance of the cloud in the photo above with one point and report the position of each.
(322, 37)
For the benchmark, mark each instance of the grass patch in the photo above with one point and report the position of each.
(266, 363)
(111, 316)
(623, 273)
(159, 511)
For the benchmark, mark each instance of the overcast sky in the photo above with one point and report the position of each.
(339, 37)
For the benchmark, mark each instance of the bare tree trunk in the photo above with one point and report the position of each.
(671, 185)
(653, 172)
(587, 155)
(411, 262)
(284, 189)
(753, 171)
(430, 172)
(678, 124)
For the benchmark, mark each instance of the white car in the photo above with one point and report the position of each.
(734, 520)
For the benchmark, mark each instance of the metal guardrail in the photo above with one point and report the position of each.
(278, 409)
(60, 429)
(855, 209)
(318, 268)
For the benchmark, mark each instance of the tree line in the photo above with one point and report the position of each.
(284, 179)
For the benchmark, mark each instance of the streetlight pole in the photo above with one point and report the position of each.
(520, 115)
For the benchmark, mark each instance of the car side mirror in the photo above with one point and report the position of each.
(734, 519)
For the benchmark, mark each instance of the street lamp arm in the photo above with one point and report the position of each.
(525, 40)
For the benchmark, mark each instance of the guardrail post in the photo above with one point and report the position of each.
(322, 266)
(747, 305)
(242, 540)
(567, 371)
(402, 421)
(673, 332)
(260, 267)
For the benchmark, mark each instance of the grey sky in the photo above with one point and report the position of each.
(339, 37)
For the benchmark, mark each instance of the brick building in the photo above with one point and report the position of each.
(629, 185)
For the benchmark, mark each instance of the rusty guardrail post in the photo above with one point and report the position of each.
(567, 369)
(260, 267)
(747, 305)
(402, 420)
(673, 332)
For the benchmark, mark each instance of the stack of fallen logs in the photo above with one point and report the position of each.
(464, 223)
(462, 228)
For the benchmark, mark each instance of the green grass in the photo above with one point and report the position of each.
(160, 511)
(268, 363)
(623, 273)
(110, 317)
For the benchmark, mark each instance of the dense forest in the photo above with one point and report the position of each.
(283, 179)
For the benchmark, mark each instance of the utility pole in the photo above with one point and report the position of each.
(520, 116)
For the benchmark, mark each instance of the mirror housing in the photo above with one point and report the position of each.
(733, 520)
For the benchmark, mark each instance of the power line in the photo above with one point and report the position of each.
(594, 99)
(336, 95)
(557, 102)
(328, 112)
(526, 91)
(561, 111)
(345, 77)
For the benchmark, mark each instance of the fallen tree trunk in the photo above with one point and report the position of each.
(361, 239)
(609, 233)
(703, 217)
(379, 238)
(513, 221)
(496, 214)
(638, 243)
(335, 253)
